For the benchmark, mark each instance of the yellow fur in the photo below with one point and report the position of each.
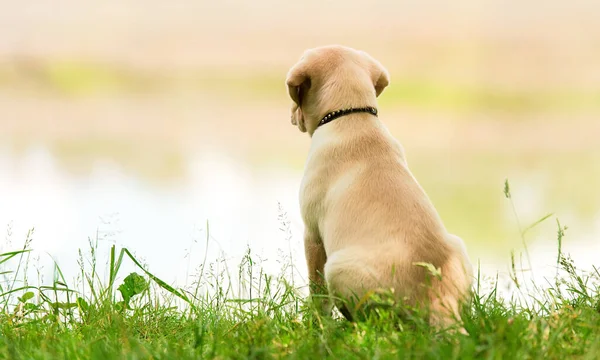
(367, 219)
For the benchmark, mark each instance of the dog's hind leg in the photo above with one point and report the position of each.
(315, 261)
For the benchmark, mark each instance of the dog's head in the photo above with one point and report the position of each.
(329, 78)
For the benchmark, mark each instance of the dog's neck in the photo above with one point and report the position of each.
(339, 113)
(318, 116)
(349, 89)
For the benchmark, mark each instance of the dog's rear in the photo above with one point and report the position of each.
(355, 274)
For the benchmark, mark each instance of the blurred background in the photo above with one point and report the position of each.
(136, 123)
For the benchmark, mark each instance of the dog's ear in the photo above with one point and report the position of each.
(381, 81)
(298, 83)
(298, 117)
(379, 75)
(297, 79)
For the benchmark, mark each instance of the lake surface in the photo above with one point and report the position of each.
(242, 206)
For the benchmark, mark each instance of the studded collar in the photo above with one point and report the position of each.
(339, 113)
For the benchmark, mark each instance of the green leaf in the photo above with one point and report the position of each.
(437, 273)
(82, 304)
(27, 296)
(31, 307)
(63, 305)
(133, 284)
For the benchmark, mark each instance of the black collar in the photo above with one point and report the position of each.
(339, 113)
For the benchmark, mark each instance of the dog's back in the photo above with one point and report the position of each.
(365, 213)
(377, 221)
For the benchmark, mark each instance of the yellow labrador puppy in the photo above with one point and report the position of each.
(369, 224)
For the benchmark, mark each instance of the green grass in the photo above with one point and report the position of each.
(245, 313)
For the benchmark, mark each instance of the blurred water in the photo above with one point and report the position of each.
(162, 224)
(165, 225)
